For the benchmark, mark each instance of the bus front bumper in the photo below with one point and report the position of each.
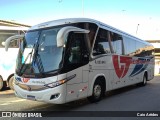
(51, 95)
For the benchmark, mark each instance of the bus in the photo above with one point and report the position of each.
(69, 59)
(8, 59)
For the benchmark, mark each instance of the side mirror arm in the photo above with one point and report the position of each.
(8, 40)
(62, 34)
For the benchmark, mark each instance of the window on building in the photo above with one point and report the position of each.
(4, 34)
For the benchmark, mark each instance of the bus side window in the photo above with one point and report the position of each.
(75, 55)
(117, 43)
(130, 46)
(101, 45)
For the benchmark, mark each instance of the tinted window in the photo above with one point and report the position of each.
(101, 45)
(117, 43)
(137, 48)
(130, 46)
(92, 28)
(76, 53)
(144, 49)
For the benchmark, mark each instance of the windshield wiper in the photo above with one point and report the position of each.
(29, 54)
(48, 74)
(52, 72)
(38, 60)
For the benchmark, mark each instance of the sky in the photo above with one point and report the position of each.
(140, 18)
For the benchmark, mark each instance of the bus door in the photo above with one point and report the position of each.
(75, 64)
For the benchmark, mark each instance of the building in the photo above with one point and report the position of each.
(156, 44)
(8, 28)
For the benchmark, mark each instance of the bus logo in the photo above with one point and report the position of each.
(121, 65)
(25, 80)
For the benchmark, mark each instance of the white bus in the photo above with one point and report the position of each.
(8, 59)
(70, 59)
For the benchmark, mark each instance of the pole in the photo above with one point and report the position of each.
(82, 7)
(137, 29)
(59, 1)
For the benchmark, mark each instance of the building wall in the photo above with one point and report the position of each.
(8, 59)
(156, 44)
(157, 66)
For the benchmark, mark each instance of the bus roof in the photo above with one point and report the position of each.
(61, 22)
(76, 20)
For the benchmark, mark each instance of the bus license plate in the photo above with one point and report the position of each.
(30, 97)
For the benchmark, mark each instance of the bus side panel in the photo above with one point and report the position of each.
(76, 91)
(151, 69)
(8, 61)
(77, 87)
(100, 67)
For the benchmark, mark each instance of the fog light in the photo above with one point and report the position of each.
(54, 96)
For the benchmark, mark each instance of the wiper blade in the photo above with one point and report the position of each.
(29, 54)
(37, 60)
(39, 63)
(49, 73)
(52, 72)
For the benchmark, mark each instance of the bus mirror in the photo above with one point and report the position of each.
(63, 33)
(12, 38)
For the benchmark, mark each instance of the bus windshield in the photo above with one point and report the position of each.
(38, 53)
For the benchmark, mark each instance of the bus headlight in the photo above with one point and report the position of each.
(60, 82)
(55, 84)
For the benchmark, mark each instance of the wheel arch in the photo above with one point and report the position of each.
(10, 77)
(100, 77)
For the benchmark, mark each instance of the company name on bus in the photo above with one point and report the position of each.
(140, 61)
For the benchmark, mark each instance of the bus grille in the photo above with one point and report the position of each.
(32, 87)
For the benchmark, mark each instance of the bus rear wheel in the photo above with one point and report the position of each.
(144, 80)
(97, 92)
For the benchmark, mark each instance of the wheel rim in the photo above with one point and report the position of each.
(12, 83)
(97, 91)
(144, 80)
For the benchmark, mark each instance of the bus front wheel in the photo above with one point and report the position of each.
(97, 92)
(11, 82)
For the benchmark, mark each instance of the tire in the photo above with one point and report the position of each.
(97, 92)
(11, 82)
(1, 83)
(144, 80)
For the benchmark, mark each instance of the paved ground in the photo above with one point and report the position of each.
(131, 98)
